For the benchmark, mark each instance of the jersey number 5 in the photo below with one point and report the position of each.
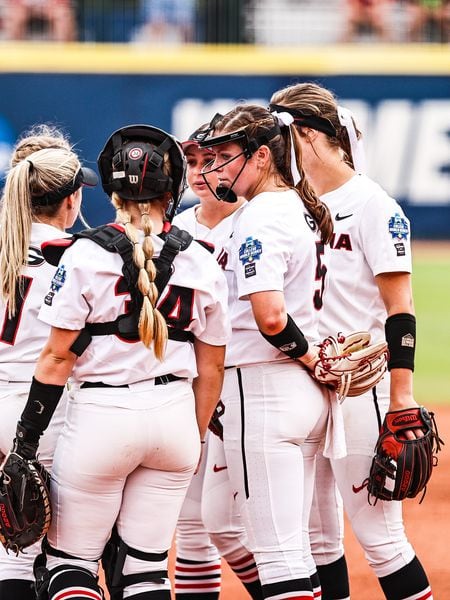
(321, 271)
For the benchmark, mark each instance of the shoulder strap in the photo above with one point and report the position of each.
(175, 241)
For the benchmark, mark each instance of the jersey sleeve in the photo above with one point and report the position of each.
(213, 323)
(66, 303)
(385, 234)
(260, 254)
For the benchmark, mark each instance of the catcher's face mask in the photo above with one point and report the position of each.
(249, 146)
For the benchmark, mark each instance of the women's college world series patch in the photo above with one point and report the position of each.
(398, 227)
(249, 252)
(57, 282)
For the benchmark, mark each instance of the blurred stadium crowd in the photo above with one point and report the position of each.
(266, 22)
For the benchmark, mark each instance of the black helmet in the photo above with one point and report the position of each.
(131, 164)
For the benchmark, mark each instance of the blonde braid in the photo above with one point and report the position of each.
(152, 325)
(147, 275)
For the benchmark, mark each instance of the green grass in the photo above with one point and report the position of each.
(431, 286)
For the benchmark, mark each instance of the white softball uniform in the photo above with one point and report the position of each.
(21, 341)
(127, 454)
(371, 236)
(275, 414)
(217, 236)
(192, 540)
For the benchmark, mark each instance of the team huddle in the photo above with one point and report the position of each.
(238, 374)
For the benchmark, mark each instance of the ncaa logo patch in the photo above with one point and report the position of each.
(250, 250)
(398, 227)
(135, 153)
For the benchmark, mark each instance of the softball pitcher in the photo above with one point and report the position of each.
(147, 371)
(370, 260)
(275, 414)
(36, 208)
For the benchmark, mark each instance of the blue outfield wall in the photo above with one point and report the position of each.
(405, 120)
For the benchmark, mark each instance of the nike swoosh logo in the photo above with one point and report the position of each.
(218, 469)
(359, 488)
(342, 217)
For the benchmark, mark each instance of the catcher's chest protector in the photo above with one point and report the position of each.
(112, 238)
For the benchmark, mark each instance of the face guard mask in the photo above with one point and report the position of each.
(249, 147)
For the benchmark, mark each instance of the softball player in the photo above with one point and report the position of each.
(41, 199)
(143, 389)
(370, 290)
(275, 414)
(198, 564)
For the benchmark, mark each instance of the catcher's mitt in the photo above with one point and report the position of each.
(25, 511)
(408, 464)
(351, 364)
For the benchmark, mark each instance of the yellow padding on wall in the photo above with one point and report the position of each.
(53, 57)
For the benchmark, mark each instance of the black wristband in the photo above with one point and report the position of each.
(291, 340)
(42, 401)
(400, 333)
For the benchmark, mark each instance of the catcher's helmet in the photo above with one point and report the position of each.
(132, 164)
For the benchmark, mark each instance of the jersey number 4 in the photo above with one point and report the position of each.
(175, 305)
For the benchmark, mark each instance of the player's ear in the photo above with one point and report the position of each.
(262, 156)
(72, 199)
(310, 134)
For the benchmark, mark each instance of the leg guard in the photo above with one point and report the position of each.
(50, 583)
(113, 560)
